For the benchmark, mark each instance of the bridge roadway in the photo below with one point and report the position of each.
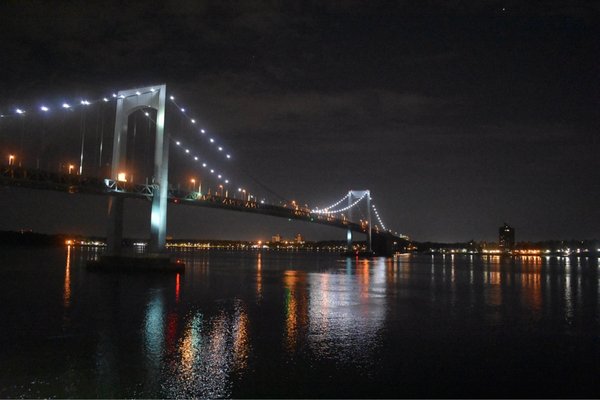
(71, 183)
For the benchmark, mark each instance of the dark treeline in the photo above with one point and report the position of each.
(28, 238)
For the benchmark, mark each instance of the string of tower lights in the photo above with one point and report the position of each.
(201, 131)
(73, 105)
(193, 154)
(341, 209)
(324, 210)
(378, 217)
(84, 102)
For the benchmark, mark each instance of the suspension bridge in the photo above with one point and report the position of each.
(117, 146)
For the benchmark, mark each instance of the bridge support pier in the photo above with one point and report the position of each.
(129, 101)
(115, 225)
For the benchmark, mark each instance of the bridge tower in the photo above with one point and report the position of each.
(129, 101)
(353, 196)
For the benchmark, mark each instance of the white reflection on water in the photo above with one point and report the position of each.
(346, 312)
(209, 350)
(568, 294)
(154, 330)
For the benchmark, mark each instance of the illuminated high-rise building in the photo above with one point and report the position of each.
(506, 237)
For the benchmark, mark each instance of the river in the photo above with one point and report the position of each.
(290, 324)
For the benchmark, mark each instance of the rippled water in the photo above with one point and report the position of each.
(268, 324)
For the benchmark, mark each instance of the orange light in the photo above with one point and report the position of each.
(11, 159)
(69, 242)
(122, 177)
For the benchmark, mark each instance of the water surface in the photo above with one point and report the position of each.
(278, 324)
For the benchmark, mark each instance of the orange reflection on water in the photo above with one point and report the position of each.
(296, 306)
(67, 285)
(259, 276)
(362, 273)
(177, 288)
(532, 289)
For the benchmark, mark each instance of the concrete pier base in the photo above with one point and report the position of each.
(145, 263)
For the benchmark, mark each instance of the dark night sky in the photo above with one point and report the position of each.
(457, 117)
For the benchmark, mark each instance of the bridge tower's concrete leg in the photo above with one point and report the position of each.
(369, 231)
(115, 225)
(349, 232)
(349, 240)
(158, 216)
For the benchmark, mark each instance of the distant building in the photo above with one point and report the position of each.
(299, 238)
(506, 237)
(276, 238)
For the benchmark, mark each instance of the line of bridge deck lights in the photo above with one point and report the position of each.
(122, 176)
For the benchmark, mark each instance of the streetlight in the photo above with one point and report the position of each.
(193, 182)
(221, 187)
(71, 166)
(11, 159)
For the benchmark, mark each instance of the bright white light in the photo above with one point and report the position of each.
(19, 111)
(212, 171)
(204, 165)
(195, 158)
(121, 96)
(105, 99)
(146, 114)
(44, 108)
(152, 90)
(228, 156)
(187, 151)
(114, 95)
(202, 130)
(178, 143)
(65, 105)
(183, 110)
(219, 176)
(137, 93)
(220, 148)
(212, 140)
(193, 121)
(172, 97)
(226, 180)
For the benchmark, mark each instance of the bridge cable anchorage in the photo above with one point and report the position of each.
(324, 210)
(200, 130)
(344, 208)
(378, 217)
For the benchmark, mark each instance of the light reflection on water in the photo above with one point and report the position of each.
(250, 324)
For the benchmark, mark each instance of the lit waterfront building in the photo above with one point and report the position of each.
(506, 238)
(276, 238)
